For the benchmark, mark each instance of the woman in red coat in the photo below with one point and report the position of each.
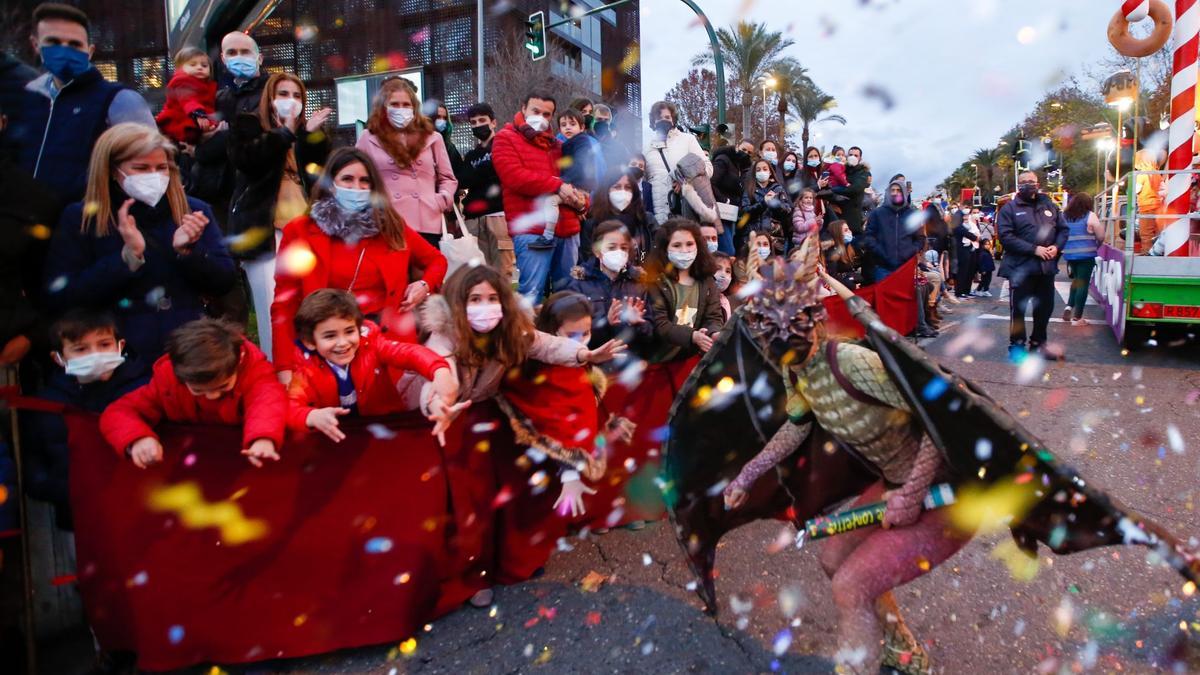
(353, 240)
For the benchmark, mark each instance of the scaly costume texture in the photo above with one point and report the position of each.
(800, 425)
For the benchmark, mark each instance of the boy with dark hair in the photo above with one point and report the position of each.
(484, 205)
(211, 374)
(87, 345)
(340, 372)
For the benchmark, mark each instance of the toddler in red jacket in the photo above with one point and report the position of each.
(191, 98)
(211, 374)
(345, 368)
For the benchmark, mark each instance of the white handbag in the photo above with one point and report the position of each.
(463, 250)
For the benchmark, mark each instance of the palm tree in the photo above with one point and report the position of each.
(789, 77)
(986, 159)
(750, 51)
(811, 105)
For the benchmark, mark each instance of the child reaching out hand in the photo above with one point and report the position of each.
(211, 374)
(339, 370)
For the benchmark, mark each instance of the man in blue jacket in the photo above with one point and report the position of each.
(893, 233)
(1033, 232)
(65, 110)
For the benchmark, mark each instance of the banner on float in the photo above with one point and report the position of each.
(1107, 287)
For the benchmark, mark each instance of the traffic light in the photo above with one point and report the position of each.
(535, 35)
(1022, 155)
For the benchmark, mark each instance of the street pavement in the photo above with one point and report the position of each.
(1129, 423)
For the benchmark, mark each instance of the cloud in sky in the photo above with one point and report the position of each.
(961, 72)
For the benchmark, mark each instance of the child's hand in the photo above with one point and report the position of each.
(445, 386)
(604, 353)
(325, 420)
(442, 414)
(204, 123)
(146, 452)
(620, 429)
(260, 450)
(734, 498)
(634, 312)
(571, 498)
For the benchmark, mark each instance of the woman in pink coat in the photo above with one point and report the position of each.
(412, 158)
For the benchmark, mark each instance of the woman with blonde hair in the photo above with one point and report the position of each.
(136, 244)
(277, 152)
(417, 175)
(356, 242)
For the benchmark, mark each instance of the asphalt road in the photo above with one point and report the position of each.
(1106, 610)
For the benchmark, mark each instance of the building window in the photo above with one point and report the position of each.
(149, 73)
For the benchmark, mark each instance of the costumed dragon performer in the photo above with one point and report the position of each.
(779, 421)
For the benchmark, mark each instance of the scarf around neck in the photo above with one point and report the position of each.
(336, 223)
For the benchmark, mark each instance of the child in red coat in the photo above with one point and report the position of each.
(211, 374)
(191, 98)
(338, 373)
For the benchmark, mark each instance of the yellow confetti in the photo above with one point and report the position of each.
(1021, 565)
(1189, 588)
(990, 509)
(195, 512)
(3, 494)
(408, 646)
(299, 620)
(91, 208)
(544, 657)
(923, 564)
(39, 231)
(483, 446)
(403, 578)
(725, 385)
(297, 260)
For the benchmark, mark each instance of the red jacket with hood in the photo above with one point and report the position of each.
(528, 169)
(186, 95)
(314, 385)
(258, 402)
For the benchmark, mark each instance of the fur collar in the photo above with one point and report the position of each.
(349, 227)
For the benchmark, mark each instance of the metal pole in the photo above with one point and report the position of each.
(12, 378)
(576, 17)
(479, 59)
(718, 60)
(764, 110)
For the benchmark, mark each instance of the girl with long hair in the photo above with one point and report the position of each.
(620, 198)
(686, 308)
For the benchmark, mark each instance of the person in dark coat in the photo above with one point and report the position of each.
(63, 111)
(859, 176)
(14, 75)
(1033, 233)
(141, 247)
(770, 209)
(966, 245)
(93, 372)
(278, 154)
(614, 286)
(620, 199)
(637, 171)
(890, 235)
(730, 168)
(616, 154)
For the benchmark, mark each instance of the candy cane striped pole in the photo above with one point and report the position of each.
(1183, 124)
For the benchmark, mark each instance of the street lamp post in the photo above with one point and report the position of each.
(768, 82)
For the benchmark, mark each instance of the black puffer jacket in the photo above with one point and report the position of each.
(589, 280)
(259, 157)
(211, 176)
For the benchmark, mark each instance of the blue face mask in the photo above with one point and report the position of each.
(242, 66)
(351, 200)
(64, 62)
(847, 238)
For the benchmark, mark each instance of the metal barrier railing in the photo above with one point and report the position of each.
(1120, 215)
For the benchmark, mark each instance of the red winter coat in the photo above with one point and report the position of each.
(526, 172)
(291, 289)
(560, 402)
(314, 385)
(258, 402)
(186, 95)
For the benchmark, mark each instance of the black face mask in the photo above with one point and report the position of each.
(637, 172)
(589, 121)
(482, 132)
(602, 128)
(662, 127)
(742, 158)
(1027, 192)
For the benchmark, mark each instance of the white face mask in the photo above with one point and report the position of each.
(91, 367)
(614, 261)
(762, 176)
(764, 252)
(814, 163)
(722, 280)
(789, 165)
(712, 246)
(286, 108)
(620, 199)
(147, 188)
(400, 117)
(852, 160)
(770, 155)
(484, 318)
(537, 123)
(682, 259)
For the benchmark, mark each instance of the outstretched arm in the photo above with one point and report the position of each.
(904, 503)
(783, 443)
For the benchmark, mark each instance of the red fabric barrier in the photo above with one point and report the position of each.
(894, 300)
(352, 548)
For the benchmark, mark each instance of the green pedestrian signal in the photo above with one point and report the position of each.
(535, 35)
